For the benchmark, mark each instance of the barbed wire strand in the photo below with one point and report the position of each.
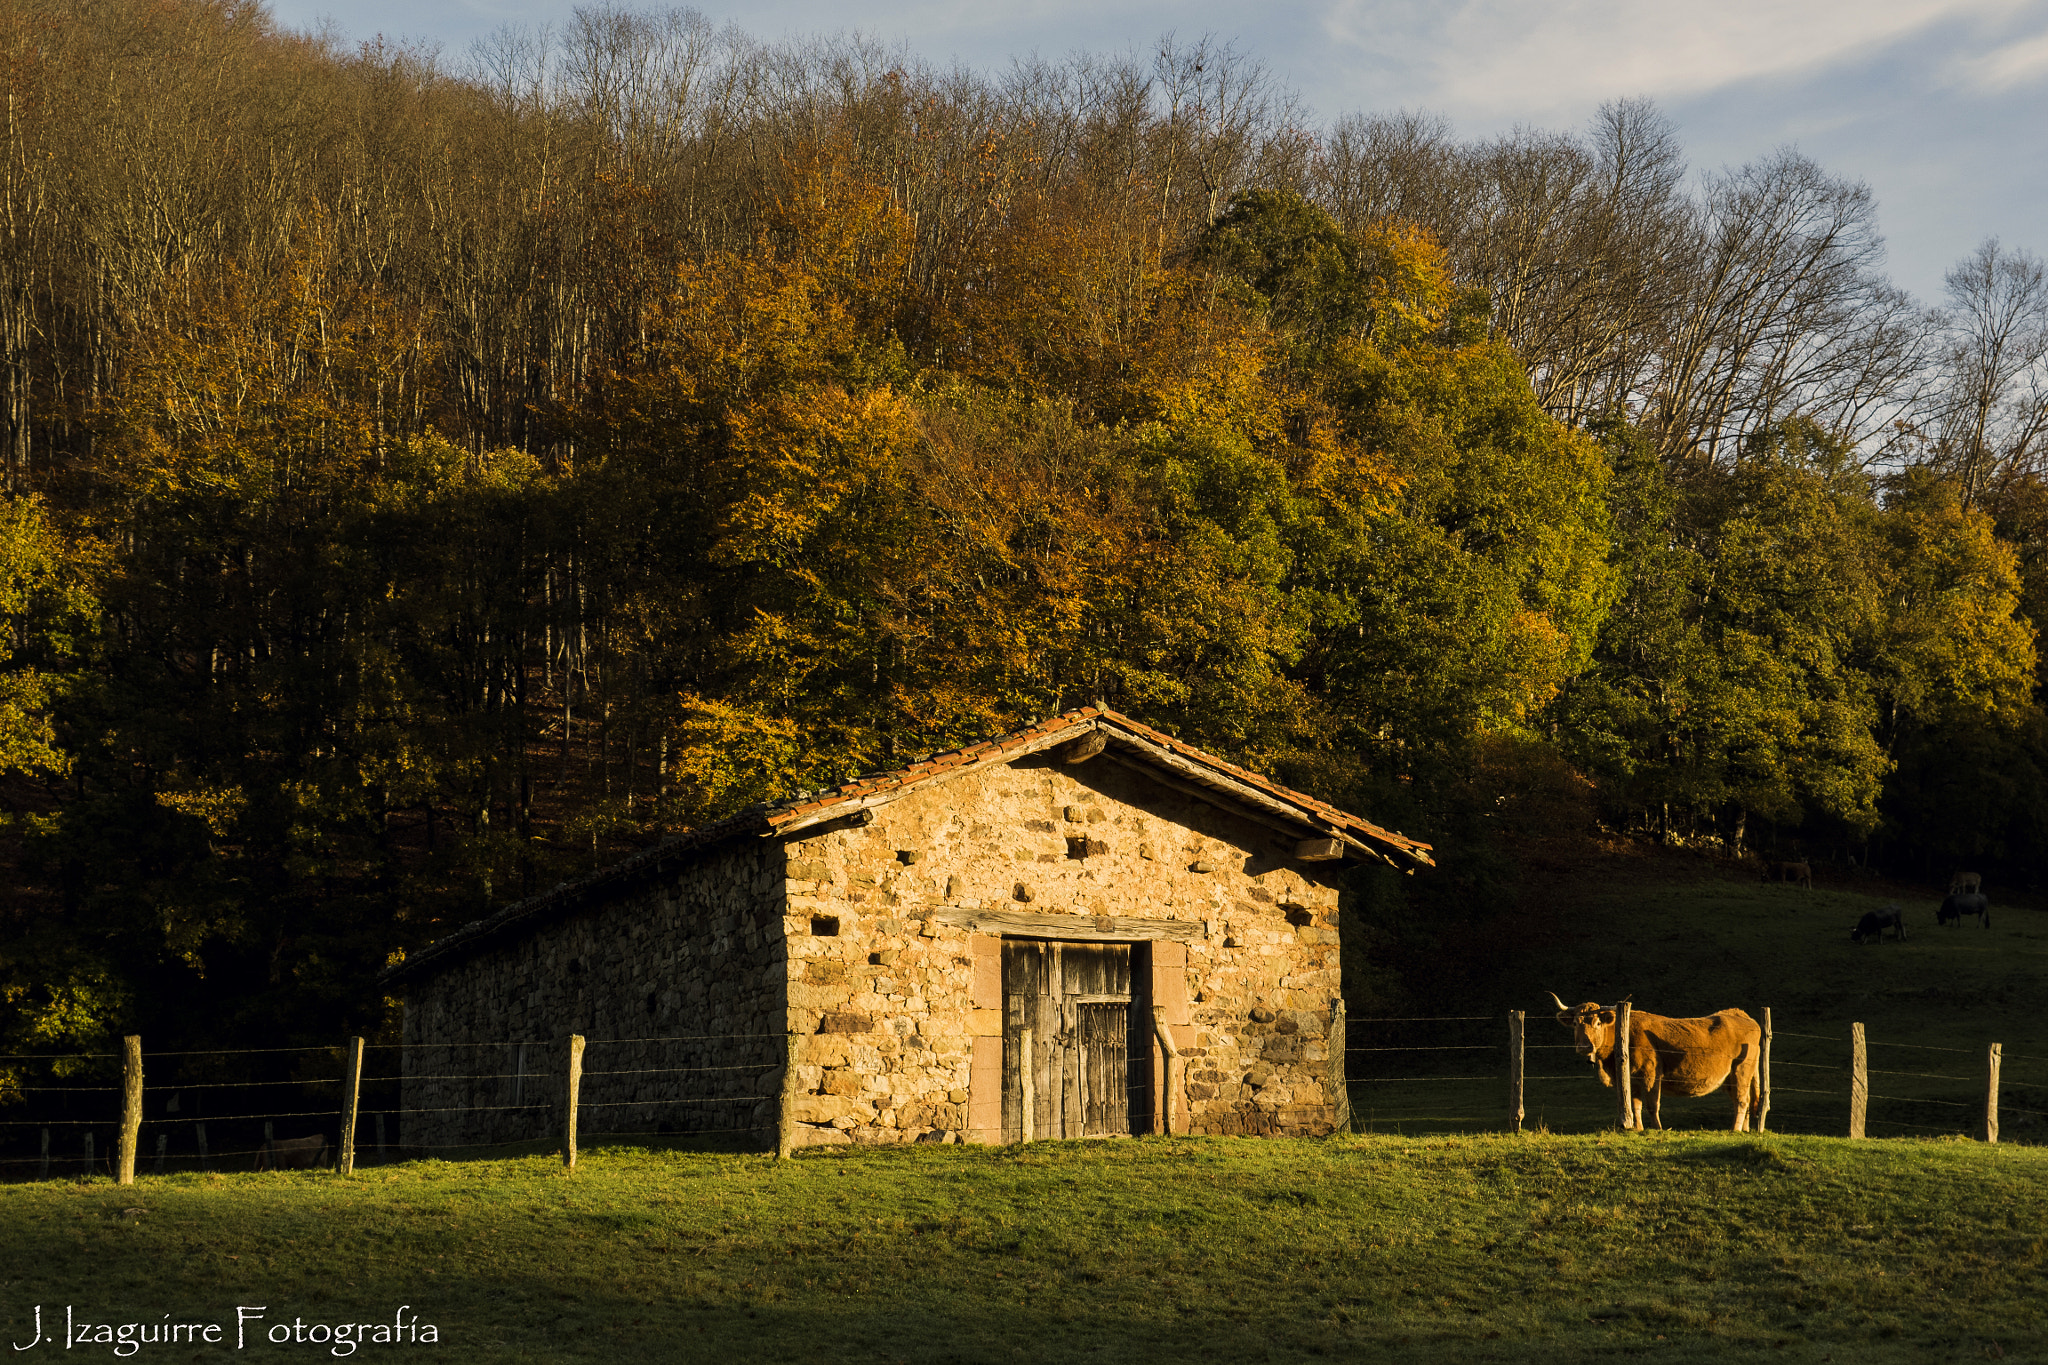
(237, 1085)
(714, 1099)
(682, 1070)
(1923, 1075)
(514, 1042)
(680, 1038)
(240, 1118)
(464, 1108)
(457, 1076)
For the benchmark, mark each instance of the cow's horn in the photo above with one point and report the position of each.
(1562, 1008)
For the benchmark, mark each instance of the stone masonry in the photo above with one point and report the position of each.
(869, 922)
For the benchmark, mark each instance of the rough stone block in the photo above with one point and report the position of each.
(833, 1109)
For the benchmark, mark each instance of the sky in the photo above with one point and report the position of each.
(1938, 105)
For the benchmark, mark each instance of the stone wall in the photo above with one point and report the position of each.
(882, 945)
(682, 970)
(866, 940)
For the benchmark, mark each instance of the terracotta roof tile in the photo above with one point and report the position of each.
(759, 819)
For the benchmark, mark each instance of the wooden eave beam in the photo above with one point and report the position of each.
(1211, 784)
(1273, 815)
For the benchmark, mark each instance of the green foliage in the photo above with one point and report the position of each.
(1689, 1247)
(306, 664)
(1784, 627)
(47, 604)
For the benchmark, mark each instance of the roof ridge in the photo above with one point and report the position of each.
(804, 808)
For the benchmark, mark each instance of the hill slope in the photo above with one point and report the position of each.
(1687, 938)
(1554, 1248)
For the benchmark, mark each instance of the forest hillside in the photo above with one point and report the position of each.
(425, 480)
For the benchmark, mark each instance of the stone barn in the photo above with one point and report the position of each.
(866, 963)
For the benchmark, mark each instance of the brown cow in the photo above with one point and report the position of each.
(1692, 1056)
(1965, 883)
(1800, 873)
(293, 1154)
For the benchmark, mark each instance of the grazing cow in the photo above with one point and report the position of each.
(1965, 881)
(1873, 925)
(1800, 874)
(1957, 904)
(1691, 1056)
(293, 1154)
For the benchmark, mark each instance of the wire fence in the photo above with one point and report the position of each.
(1427, 1074)
(234, 1108)
(237, 1108)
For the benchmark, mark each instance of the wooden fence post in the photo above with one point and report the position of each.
(380, 1137)
(43, 1173)
(90, 1164)
(131, 1110)
(1027, 1088)
(1859, 1081)
(1515, 1110)
(351, 1097)
(1340, 1067)
(1620, 1062)
(785, 1120)
(201, 1127)
(1991, 1095)
(1172, 1067)
(569, 1109)
(1763, 1076)
(163, 1145)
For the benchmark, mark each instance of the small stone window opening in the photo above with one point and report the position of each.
(1299, 915)
(650, 1002)
(575, 966)
(1077, 848)
(825, 926)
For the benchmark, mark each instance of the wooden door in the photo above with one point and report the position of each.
(1076, 999)
(1103, 1046)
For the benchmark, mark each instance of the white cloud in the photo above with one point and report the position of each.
(1495, 58)
(2004, 67)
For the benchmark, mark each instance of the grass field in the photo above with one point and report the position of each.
(1428, 1245)
(1930, 1006)
(1685, 1247)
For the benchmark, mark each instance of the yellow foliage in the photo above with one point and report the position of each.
(729, 755)
(217, 807)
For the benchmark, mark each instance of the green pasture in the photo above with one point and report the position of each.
(1929, 1005)
(1682, 1247)
(1426, 1239)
